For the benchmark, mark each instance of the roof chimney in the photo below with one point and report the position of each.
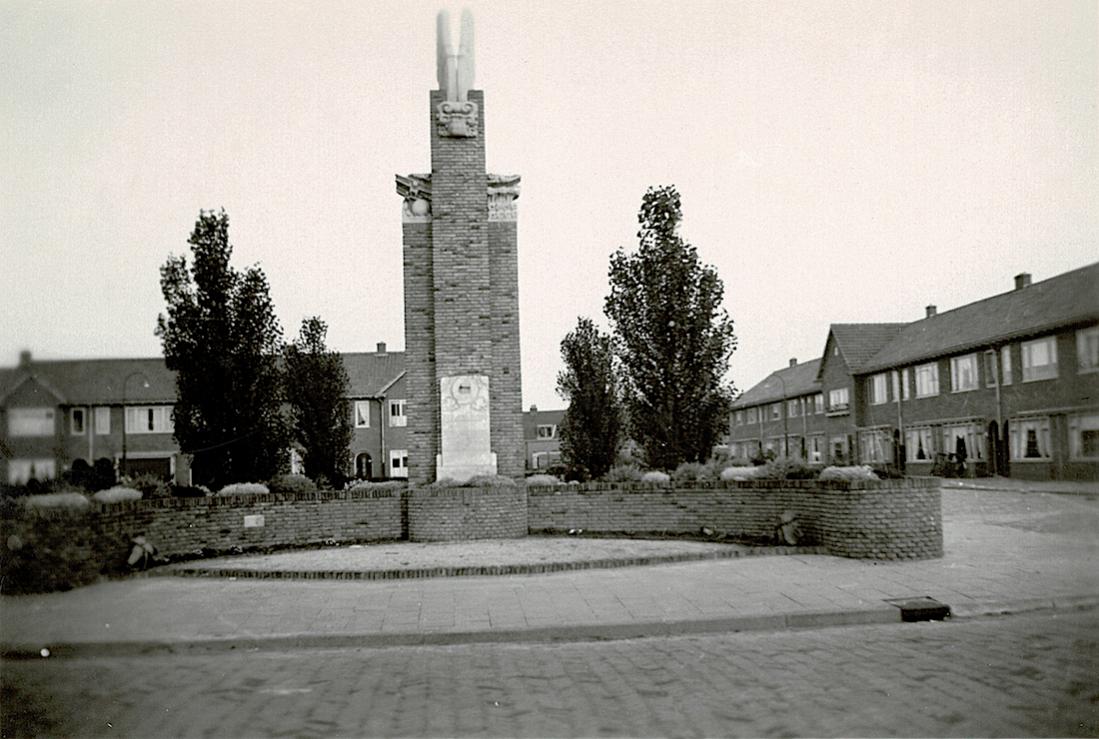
(381, 347)
(533, 408)
(931, 310)
(25, 358)
(1022, 280)
(793, 361)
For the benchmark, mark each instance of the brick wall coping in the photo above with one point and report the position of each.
(907, 483)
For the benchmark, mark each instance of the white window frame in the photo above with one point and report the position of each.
(992, 374)
(906, 383)
(879, 388)
(398, 463)
(397, 417)
(915, 438)
(1087, 350)
(792, 410)
(963, 374)
(1077, 424)
(874, 446)
(927, 380)
(21, 471)
(1019, 433)
(37, 421)
(1006, 375)
(78, 421)
(738, 418)
(148, 419)
(361, 414)
(776, 411)
(976, 439)
(552, 431)
(752, 415)
(816, 448)
(818, 403)
(1036, 372)
(102, 418)
(839, 399)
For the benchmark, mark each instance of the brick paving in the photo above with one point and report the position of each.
(1004, 551)
(1023, 675)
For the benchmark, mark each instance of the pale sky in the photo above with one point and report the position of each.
(838, 162)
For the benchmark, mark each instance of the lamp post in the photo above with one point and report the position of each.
(144, 383)
(785, 419)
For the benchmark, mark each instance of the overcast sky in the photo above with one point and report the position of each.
(838, 162)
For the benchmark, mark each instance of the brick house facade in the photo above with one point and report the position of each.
(1008, 384)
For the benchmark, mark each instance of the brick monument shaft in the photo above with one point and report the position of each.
(461, 300)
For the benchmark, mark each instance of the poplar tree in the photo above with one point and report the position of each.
(673, 338)
(317, 388)
(591, 428)
(221, 337)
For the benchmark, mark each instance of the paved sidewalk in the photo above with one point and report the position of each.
(1005, 551)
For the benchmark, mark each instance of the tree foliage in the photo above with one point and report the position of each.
(222, 338)
(591, 429)
(317, 387)
(673, 338)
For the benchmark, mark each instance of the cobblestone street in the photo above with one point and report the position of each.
(1025, 675)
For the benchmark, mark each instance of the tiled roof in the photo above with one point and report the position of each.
(789, 382)
(859, 342)
(372, 373)
(1067, 299)
(533, 419)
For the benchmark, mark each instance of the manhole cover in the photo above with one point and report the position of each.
(920, 609)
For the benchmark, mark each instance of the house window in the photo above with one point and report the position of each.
(547, 431)
(102, 420)
(879, 392)
(970, 437)
(816, 448)
(839, 450)
(149, 419)
(776, 411)
(1083, 432)
(792, 410)
(78, 418)
(1005, 365)
(918, 445)
(739, 416)
(396, 413)
(963, 373)
(906, 383)
(30, 421)
(875, 446)
(838, 399)
(398, 463)
(818, 403)
(1087, 349)
(21, 471)
(927, 380)
(1030, 439)
(990, 368)
(1040, 359)
(362, 414)
(751, 415)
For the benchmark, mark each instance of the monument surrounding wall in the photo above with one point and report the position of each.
(461, 290)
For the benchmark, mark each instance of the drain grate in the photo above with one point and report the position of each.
(920, 609)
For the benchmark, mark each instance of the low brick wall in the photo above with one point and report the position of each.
(889, 519)
(454, 514)
(47, 549)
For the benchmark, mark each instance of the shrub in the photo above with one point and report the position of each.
(372, 485)
(624, 473)
(688, 472)
(57, 501)
(741, 473)
(655, 476)
(291, 484)
(861, 472)
(190, 491)
(116, 494)
(80, 475)
(150, 486)
(542, 480)
(787, 468)
(102, 475)
(579, 473)
(244, 488)
(477, 481)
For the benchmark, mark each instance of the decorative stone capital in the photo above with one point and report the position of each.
(456, 119)
(503, 191)
(415, 189)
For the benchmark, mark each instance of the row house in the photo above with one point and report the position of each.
(55, 412)
(1008, 385)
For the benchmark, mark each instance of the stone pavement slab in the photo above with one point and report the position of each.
(1004, 551)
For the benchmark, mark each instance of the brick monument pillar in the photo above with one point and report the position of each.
(461, 291)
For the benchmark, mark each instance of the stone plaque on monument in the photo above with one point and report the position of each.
(465, 429)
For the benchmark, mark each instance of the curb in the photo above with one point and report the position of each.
(572, 633)
(1026, 605)
(532, 568)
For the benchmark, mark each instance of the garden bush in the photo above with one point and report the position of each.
(373, 485)
(623, 473)
(68, 500)
(535, 480)
(291, 484)
(244, 488)
(657, 477)
(788, 468)
(861, 472)
(741, 473)
(190, 491)
(477, 481)
(688, 472)
(150, 486)
(116, 494)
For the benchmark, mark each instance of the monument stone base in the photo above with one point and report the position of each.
(463, 471)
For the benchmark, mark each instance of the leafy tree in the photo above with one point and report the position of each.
(673, 337)
(317, 387)
(221, 337)
(591, 429)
